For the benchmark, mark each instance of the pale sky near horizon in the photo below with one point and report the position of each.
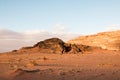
(25, 22)
(81, 16)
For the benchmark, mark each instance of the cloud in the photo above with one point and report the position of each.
(5, 34)
(10, 40)
(113, 27)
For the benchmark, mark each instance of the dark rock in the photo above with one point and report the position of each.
(72, 48)
(57, 46)
(26, 47)
(14, 50)
(49, 42)
(53, 45)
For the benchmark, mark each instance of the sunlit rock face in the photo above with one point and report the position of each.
(106, 40)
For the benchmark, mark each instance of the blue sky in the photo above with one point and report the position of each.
(81, 16)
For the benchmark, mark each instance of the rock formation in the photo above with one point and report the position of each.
(56, 46)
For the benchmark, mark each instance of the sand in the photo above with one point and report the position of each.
(43, 66)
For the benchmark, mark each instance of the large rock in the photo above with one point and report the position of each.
(54, 45)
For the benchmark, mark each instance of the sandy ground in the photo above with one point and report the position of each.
(38, 66)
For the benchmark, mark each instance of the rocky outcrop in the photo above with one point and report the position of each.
(56, 46)
(52, 45)
(105, 40)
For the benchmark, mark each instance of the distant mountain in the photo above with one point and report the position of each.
(106, 40)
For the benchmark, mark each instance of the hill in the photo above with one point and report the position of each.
(56, 46)
(106, 40)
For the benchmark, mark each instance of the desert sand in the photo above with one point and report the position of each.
(43, 66)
